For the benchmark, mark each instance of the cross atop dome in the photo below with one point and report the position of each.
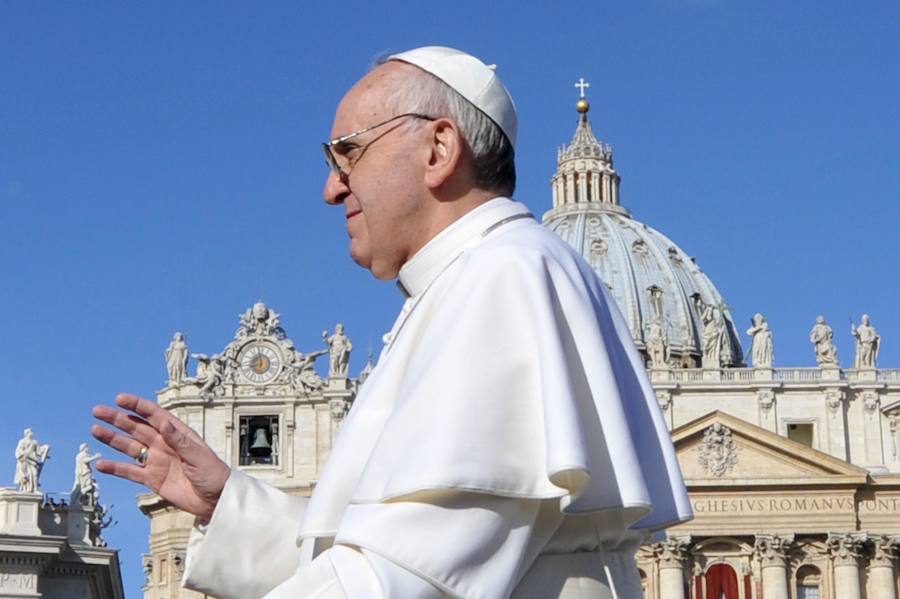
(582, 105)
(581, 84)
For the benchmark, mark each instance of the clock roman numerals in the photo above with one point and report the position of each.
(259, 363)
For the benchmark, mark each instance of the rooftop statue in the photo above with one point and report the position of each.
(763, 353)
(177, 359)
(85, 488)
(304, 375)
(209, 373)
(868, 342)
(657, 344)
(716, 344)
(340, 348)
(30, 458)
(260, 320)
(822, 337)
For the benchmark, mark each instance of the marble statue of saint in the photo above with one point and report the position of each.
(822, 338)
(868, 342)
(85, 487)
(177, 359)
(726, 355)
(762, 342)
(657, 344)
(712, 334)
(339, 354)
(30, 458)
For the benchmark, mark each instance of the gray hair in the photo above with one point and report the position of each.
(493, 156)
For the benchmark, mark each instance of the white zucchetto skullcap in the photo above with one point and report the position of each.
(472, 79)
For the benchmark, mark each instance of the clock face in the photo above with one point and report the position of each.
(259, 363)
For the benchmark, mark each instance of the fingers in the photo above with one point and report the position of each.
(151, 422)
(138, 428)
(127, 445)
(131, 472)
(152, 413)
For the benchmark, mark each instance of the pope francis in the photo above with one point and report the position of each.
(507, 444)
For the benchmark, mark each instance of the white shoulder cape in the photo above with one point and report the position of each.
(511, 373)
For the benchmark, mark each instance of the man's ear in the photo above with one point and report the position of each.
(446, 148)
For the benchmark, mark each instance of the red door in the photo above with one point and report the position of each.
(721, 582)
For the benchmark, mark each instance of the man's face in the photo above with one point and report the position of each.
(384, 198)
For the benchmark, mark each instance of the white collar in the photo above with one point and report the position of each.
(420, 270)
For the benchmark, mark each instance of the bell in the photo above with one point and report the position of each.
(260, 443)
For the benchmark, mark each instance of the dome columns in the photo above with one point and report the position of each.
(585, 172)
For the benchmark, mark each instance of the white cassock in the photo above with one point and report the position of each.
(507, 444)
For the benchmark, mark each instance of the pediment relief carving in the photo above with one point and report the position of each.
(718, 449)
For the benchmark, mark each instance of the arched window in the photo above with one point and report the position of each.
(721, 582)
(809, 581)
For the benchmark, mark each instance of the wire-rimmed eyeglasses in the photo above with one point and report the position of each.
(338, 161)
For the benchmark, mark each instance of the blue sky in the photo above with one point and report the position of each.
(160, 171)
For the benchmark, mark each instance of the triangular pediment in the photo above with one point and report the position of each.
(722, 450)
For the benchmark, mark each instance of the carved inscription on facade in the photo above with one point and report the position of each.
(880, 505)
(772, 504)
(17, 581)
(799, 504)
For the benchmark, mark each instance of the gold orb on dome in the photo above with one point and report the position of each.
(582, 106)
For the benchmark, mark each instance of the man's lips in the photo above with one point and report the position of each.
(351, 213)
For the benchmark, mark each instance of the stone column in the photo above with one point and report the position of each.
(772, 553)
(881, 566)
(845, 550)
(672, 553)
(835, 400)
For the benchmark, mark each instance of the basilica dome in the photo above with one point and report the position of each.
(660, 290)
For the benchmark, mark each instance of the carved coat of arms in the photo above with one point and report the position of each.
(718, 451)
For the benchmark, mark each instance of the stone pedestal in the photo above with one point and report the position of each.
(831, 373)
(712, 375)
(867, 375)
(845, 551)
(763, 374)
(338, 384)
(19, 512)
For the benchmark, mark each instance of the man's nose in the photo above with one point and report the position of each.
(335, 189)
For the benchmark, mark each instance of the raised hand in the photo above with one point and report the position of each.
(179, 466)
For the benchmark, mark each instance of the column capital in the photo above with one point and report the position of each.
(664, 397)
(766, 399)
(846, 548)
(772, 550)
(884, 550)
(834, 399)
(672, 552)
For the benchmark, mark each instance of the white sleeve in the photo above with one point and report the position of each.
(250, 544)
(444, 544)
(347, 573)
(466, 545)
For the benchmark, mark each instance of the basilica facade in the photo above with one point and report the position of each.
(793, 473)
